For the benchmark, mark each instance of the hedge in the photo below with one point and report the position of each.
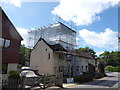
(83, 78)
(14, 75)
(112, 69)
(98, 75)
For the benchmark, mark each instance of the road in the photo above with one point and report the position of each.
(111, 81)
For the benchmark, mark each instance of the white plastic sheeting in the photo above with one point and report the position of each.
(54, 34)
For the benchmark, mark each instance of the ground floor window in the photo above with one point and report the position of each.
(4, 68)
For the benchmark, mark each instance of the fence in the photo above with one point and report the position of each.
(12, 83)
(43, 82)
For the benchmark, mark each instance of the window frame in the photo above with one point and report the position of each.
(48, 55)
(5, 43)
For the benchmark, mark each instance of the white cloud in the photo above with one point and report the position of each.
(98, 53)
(24, 33)
(107, 39)
(16, 3)
(82, 12)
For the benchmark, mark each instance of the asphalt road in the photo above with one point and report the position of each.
(111, 81)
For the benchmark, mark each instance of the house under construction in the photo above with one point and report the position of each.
(54, 52)
(54, 34)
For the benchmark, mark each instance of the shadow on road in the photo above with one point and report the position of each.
(108, 83)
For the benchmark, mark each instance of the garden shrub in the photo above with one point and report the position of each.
(98, 75)
(14, 75)
(83, 78)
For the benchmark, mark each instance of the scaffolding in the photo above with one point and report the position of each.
(54, 34)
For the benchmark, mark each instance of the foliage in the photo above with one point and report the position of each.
(83, 78)
(4, 68)
(14, 75)
(24, 55)
(111, 58)
(101, 66)
(112, 69)
(89, 50)
(98, 75)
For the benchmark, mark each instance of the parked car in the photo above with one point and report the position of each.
(31, 78)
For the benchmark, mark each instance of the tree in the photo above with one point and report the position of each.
(90, 51)
(24, 55)
(111, 58)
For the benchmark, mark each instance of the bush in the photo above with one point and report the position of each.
(83, 78)
(98, 75)
(112, 69)
(14, 75)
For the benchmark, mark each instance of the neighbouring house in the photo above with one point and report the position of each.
(52, 59)
(81, 62)
(10, 42)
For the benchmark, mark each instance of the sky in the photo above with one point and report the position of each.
(96, 21)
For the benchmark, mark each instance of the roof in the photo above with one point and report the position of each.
(55, 47)
(44, 27)
(82, 54)
(67, 27)
(11, 24)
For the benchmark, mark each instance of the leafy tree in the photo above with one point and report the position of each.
(90, 51)
(111, 58)
(24, 55)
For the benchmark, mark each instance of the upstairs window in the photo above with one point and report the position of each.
(4, 43)
(1, 42)
(7, 43)
(48, 55)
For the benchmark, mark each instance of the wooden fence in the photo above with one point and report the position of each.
(43, 82)
(12, 83)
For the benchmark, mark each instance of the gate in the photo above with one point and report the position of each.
(43, 82)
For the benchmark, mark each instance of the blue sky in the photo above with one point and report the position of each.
(96, 22)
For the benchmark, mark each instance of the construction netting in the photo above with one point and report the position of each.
(54, 34)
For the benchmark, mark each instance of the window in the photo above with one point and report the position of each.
(7, 43)
(86, 68)
(4, 68)
(61, 56)
(1, 42)
(82, 69)
(77, 68)
(48, 55)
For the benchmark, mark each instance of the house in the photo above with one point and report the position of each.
(81, 62)
(10, 42)
(45, 59)
(52, 59)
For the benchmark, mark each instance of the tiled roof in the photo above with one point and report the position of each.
(82, 54)
(55, 47)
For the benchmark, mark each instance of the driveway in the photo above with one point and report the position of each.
(111, 81)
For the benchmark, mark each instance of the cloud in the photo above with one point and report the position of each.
(107, 39)
(82, 12)
(24, 33)
(16, 3)
(98, 53)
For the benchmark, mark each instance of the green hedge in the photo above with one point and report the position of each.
(83, 78)
(112, 69)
